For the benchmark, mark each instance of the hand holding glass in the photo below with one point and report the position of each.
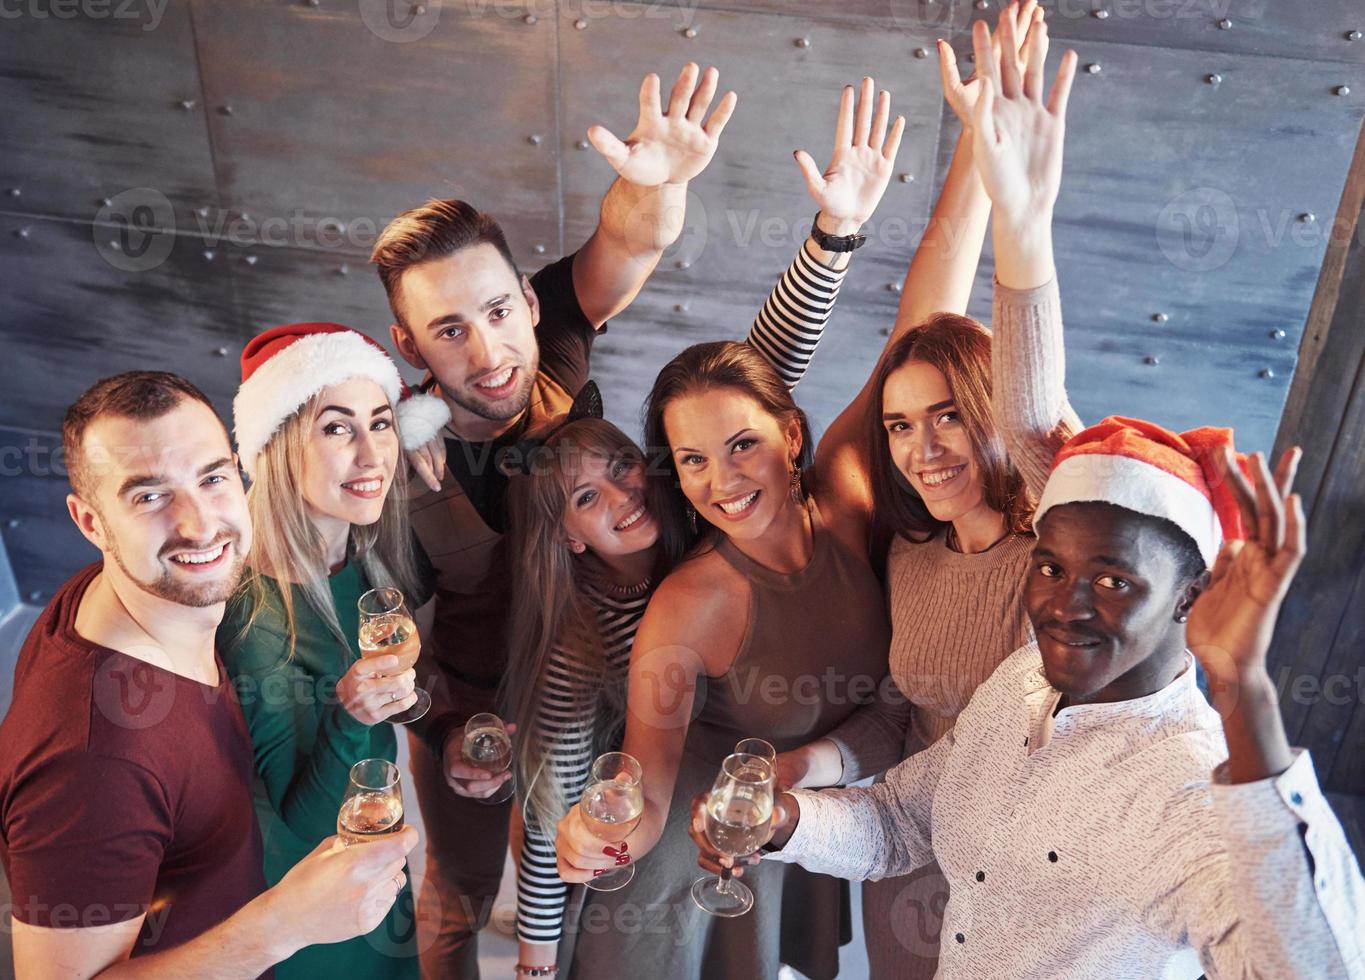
(613, 803)
(738, 819)
(387, 629)
(487, 746)
(373, 804)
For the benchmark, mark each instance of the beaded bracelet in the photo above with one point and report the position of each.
(537, 971)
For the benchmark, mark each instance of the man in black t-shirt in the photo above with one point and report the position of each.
(505, 352)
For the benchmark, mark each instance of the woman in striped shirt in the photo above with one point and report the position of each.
(587, 549)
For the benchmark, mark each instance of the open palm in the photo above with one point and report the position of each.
(1231, 623)
(1017, 138)
(864, 156)
(962, 96)
(669, 147)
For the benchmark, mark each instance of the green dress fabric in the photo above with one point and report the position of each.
(305, 743)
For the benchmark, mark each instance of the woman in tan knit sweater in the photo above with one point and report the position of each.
(960, 511)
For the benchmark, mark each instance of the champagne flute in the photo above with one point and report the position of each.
(487, 746)
(373, 804)
(386, 627)
(613, 803)
(759, 747)
(738, 819)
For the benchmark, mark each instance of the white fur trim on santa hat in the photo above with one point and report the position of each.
(420, 418)
(278, 387)
(1138, 486)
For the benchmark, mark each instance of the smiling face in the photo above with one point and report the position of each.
(166, 503)
(471, 322)
(734, 459)
(1103, 592)
(350, 452)
(928, 442)
(605, 512)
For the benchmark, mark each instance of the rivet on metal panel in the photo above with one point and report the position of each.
(1353, 35)
(580, 24)
(106, 202)
(983, 4)
(921, 53)
(534, 139)
(251, 260)
(1093, 68)
(209, 254)
(113, 244)
(1100, 14)
(343, 269)
(314, 3)
(225, 110)
(34, 596)
(1151, 359)
(679, 307)
(893, 287)
(683, 264)
(220, 352)
(1277, 334)
(1214, 78)
(12, 522)
(802, 42)
(1267, 373)
(1342, 90)
(540, 249)
(907, 178)
(202, 212)
(418, 10)
(885, 331)
(530, 19)
(21, 233)
(15, 192)
(1159, 318)
(582, 144)
(690, 33)
(187, 104)
(1308, 217)
(1225, 24)
(243, 216)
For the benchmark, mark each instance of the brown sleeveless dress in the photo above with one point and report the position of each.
(810, 634)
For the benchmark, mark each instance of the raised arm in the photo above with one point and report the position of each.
(643, 211)
(1284, 896)
(1018, 141)
(792, 321)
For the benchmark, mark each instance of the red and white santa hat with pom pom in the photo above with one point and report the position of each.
(284, 367)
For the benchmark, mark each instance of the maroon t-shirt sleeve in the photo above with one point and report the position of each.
(85, 839)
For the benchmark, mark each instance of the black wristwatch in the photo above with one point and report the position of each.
(835, 243)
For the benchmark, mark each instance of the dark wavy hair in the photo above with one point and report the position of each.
(960, 348)
(718, 366)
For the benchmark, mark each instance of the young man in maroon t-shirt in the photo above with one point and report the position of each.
(126, 824)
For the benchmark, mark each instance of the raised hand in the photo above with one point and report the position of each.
(1231, 622)
(669, 147)
(961, 96)
(864, 155)
(1017, 138)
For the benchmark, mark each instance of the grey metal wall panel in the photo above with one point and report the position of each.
(342, 115)
(93, 107)
(749, 211)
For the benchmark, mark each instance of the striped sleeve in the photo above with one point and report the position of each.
(566, 725)
(793, 318)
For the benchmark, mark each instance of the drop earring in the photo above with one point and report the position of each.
(692, 518)
(796, 492)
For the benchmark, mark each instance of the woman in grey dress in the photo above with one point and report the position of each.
(773, 626)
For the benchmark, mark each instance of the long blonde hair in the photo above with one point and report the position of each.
(550, 608)
(287, 548)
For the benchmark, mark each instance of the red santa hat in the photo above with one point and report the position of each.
(1150, 470)
(284, 367)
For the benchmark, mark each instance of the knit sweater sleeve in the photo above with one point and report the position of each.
(792, 321)
(564, 724)
(1028, 379)
(872, 738)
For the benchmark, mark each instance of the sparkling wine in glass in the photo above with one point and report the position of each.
(759, 747)
(737, 818)
(487, 746)
(373, 804)
(613, 803)
(387, 629)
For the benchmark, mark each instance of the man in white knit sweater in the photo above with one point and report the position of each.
(1093, 813)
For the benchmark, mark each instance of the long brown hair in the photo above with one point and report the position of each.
(960, 348)
(720, 365)
(286, 547)
(550, 608)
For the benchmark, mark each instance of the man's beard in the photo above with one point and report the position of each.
(193, 594)
(503, 409)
